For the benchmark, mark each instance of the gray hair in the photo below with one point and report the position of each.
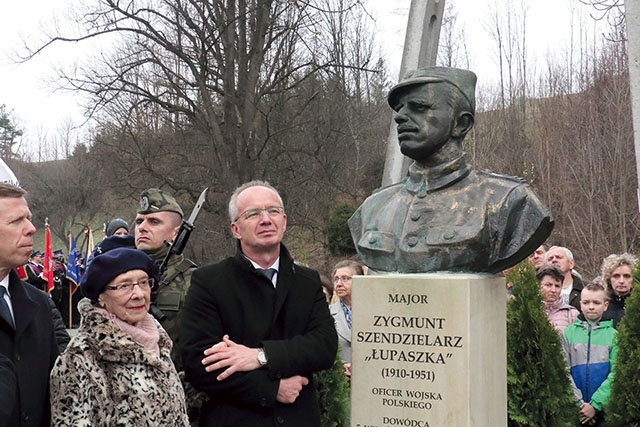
(355, 266)
(233, 201)
(566, 251)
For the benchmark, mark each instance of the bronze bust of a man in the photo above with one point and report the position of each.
(445, 216)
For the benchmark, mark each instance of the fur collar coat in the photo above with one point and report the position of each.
(105, 378)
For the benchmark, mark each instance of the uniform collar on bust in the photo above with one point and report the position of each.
(434, 178)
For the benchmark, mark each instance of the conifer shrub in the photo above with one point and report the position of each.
(538, 388)
(338, 234)
(333, 389)
(623, 407)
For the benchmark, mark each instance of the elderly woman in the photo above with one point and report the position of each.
(342, 275)
(116, 370)
(560, 313)
(617, 278)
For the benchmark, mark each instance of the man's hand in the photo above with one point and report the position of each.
(587, 412)
(289, 388)
(234, 357)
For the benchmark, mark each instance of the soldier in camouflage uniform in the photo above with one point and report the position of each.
(158, 219)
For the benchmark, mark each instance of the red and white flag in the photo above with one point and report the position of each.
(49, 264)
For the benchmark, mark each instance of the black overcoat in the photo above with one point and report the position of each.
(292, 323)
(33, 350)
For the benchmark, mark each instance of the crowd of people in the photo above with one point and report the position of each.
(63, 287)
(586, 315)
(270, 324)
(250, 363)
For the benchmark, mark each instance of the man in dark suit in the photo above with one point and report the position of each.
(34, 270)
(8, 389)
(256, 326)
(26, 327)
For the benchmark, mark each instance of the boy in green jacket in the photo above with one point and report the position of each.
(589, 346)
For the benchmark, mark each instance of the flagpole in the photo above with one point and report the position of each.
(69, 290)
(84, 240)
(90, 246)
(73, 275)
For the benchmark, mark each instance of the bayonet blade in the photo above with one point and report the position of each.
(198, 206)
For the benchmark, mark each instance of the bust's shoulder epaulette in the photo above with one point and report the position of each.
(512, 178)
(389, 186)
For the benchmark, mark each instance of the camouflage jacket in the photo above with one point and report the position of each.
(172, 290)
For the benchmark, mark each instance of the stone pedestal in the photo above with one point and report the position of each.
(429, 350)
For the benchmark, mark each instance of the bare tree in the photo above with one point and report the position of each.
(191, 94)
(452, 50)
(576, 152)
(9, 133)
(210, 64)
(611, 10)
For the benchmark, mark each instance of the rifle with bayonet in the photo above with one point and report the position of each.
(176, 247)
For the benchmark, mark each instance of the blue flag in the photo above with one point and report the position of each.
(73, 270)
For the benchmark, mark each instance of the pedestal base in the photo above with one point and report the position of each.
(429, 350)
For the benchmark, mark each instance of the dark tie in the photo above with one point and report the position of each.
(5, 313)
(268, 273)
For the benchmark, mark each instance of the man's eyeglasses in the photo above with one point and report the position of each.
(251, 214)
(127, 287)
(343, 279)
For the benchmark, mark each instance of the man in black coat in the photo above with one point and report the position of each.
(34, 271)
(8, 389)
(256, 326)
(26, 328)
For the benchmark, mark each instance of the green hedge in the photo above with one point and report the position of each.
(538, 387)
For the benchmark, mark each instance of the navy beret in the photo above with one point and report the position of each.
(109, 265)
(113, 242)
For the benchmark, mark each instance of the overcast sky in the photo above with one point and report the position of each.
(27, 91)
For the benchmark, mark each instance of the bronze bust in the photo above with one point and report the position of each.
(445, 216)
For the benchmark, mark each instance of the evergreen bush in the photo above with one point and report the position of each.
(338, 234)
(538, 387)
(623, 408)
(333, 389)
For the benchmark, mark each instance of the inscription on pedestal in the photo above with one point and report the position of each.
(411, 349)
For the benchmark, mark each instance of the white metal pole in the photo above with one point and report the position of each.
(632, 16)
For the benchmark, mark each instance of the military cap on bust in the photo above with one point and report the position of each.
(156, 200)
(463, 80)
